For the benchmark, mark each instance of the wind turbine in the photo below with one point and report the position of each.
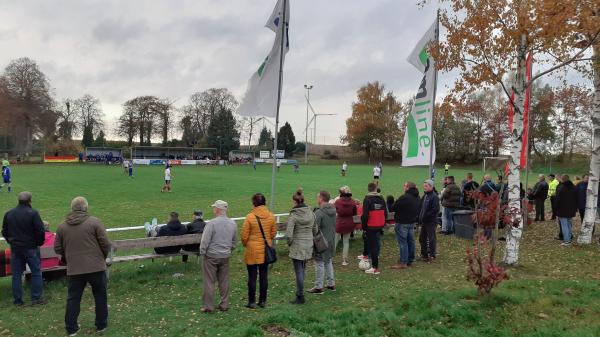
(314, 120)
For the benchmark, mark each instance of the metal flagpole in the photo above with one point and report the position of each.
(283, 38)
(432, 143)
(308, 87)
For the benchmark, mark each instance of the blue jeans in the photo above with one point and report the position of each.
(566, 225)
(448, 215)
(18, 259)
(406, 242)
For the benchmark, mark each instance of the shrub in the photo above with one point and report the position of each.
(481, 267)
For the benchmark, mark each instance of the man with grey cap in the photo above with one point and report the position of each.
(428, 213)
(23, 229)
(82, 241)
(218, 241)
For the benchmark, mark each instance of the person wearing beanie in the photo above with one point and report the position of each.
(195, 227)
(428, 212)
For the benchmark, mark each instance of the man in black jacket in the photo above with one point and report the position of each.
(373, 221)
(406, 210)
(194, 227)
(539, 194)
(451, 202)
(469, 186)
(566, 207)
(173, 228)
(428, 212)
(23, 229)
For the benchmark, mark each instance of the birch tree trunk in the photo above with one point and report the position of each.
(587, 227)
(515, 228)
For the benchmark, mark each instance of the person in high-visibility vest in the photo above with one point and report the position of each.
(552, 185)
(446, 168)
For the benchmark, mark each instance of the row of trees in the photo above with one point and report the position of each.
(29, 114)
(476, 127)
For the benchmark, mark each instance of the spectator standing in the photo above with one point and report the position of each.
(552, 185)
(406, 212)
(373, 221)
(301, 228)
(325, 218)
(539, 195)
(469, 186)
(218, 241)
(582, 195)
(488, 186)
(23, 230)
(389, 202)
(428, 212)
(325, 222)
(451, 202)
(444, 222)
(259, 227)
(446, 169)
(82, 242)
(346, 209)
(566, 207)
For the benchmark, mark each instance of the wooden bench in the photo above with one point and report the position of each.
(134, 244)
(151, 242)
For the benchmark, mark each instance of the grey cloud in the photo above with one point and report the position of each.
(118, 31)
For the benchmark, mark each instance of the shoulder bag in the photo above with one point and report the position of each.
(270, 252)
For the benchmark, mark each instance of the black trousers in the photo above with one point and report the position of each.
(76, 286)
(374, 243)
(582, 214)
(553, 205)
(539, 209)
(427, 240)
(262, 271)
(365, 251)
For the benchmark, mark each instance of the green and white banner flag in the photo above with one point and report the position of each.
(261, 96)
(418, 144)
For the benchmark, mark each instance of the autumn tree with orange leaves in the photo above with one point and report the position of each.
(374, 125)
(488, 39)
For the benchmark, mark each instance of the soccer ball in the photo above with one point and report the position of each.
(364, 264)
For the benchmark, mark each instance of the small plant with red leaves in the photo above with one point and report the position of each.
(481, 267)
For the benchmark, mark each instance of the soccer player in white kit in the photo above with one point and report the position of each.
(168, 177)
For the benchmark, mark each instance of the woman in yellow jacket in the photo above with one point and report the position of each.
(254, 255)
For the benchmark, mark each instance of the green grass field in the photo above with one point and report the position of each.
(554, 292)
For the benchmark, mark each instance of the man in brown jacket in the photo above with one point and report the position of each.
(82, 241)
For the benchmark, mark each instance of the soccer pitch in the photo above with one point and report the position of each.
(554, 291)
(122, 202)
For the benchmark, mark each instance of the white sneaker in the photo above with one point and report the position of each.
(567, 243)
(361, 257)
(344, 263)
(372, 271)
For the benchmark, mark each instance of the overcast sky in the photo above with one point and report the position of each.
(116, 50)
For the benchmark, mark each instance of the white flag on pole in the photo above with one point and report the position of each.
(418, 144)
(261, 95)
